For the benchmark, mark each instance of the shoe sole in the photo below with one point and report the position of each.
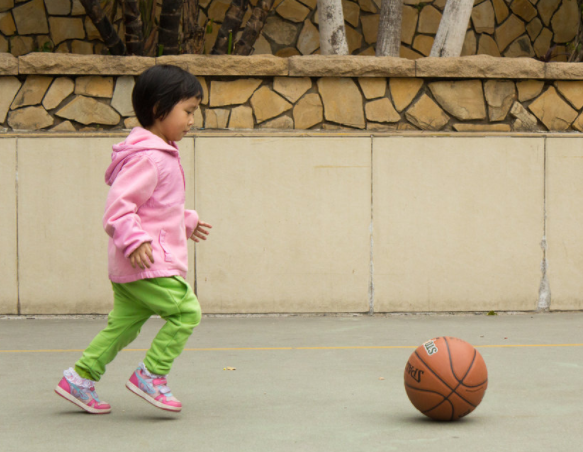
(67, 396)
(137, 391)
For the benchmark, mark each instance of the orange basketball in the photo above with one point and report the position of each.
(446, 378)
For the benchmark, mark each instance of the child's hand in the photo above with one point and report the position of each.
(200, 232)
(141, 254)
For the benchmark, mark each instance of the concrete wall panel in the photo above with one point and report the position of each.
(565, 222)
(291, 223)
(457, 223)
(63, 248)
(8, 260)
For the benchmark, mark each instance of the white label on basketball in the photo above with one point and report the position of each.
(430, 347)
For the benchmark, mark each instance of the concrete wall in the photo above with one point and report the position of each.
(313, 223)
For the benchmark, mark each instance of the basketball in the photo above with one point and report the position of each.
(446, 378)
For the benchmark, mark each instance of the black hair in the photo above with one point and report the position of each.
(159, 88)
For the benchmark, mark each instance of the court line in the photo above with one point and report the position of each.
(356, 347)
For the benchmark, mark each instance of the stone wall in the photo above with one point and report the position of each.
(475, 93)
(509, 28)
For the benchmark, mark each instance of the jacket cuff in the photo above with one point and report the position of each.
(190, 221)
(136, 244)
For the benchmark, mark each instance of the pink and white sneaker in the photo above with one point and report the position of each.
(81, 392)
(152, 388)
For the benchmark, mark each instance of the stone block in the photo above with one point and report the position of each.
(94, 86)
(404, 90)
(122, 96)
(381, 110)
(7, 26)
(506, 33)
(87, 110)
(572, 91)
(529, 89)
(32, 92)
(463, 99)
(31, 18)
(308, 112)
(267, 104)
(30, 118)
(241, 118)
(553, 111)
(292, 88)
(65, 28)
(61, 88)
(9, 87)
(342, 101)
(373, 88)
(232, 93)
(426, 114)
(500, 96)
(309, 39)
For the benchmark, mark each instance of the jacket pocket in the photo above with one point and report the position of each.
(168, 257)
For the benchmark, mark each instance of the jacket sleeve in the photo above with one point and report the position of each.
(132, 187)
(191, 221)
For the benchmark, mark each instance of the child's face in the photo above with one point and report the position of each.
(178, 122)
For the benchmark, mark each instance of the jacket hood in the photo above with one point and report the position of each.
(138, 140)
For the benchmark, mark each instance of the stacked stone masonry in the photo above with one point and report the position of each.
(508, 28)
(478, 93)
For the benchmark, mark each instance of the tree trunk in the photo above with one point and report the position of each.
(389, 37)
(332, 31)
(230, 27)
(169, 24)
(103, 24)
(133, 25)
(192, 32)
(244, 46)
(577, 49)
(452, 29)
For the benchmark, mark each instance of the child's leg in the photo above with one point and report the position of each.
(123, 326)
(174, 301)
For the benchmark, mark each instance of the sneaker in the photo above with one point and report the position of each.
(152, 388)
(81, 392)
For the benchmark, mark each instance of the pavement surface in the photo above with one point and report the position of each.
(320, 383)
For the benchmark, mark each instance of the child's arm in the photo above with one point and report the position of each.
(132, 187)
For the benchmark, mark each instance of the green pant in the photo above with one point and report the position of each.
(171, 298)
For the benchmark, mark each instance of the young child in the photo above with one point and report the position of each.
(148, 258)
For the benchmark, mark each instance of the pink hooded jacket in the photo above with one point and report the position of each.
(146, 204)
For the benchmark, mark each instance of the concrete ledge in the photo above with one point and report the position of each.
(564, 71)
(229, 65)
(350, 66)
(8, 64)
(61, 64)
(475, 66)
(481, 66)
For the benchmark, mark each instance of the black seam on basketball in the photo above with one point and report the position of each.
(476, 386)
(440, 379)
(471, 364)
(431, 392)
